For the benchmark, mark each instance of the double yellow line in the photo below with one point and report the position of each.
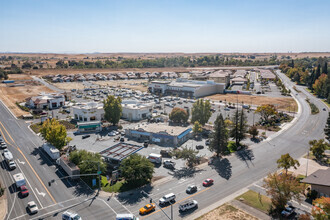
(35, 173)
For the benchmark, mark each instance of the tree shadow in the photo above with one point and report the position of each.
(136, 195)
(81, 189)
(222, 166)
(245, 155)
(255, 140)
(185, 172)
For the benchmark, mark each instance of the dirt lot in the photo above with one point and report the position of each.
(226, 212)
(69, 85)
(11, 95)
(139, 84)
(284, 104)
(19, 77)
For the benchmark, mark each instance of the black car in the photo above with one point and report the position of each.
(146, 143)
(85, 136)
(199, 147)
(122, 139)
(191, 189)
(207, 142)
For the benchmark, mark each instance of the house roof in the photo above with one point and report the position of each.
(319, 177)
(219, 74)
(240, 79)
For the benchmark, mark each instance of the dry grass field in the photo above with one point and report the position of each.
(11, 95)
(139, 84)
(283, 104)
(226, 212)
(69, 85)
(19, 77)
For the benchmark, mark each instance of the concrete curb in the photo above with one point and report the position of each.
(8, 110)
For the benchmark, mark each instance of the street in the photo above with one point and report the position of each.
(231, 174)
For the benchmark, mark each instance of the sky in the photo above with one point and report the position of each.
(191, 26)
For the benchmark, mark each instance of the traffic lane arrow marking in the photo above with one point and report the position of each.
(22, 162)
(40, 193)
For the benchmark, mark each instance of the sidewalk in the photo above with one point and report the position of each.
(3, 207)
(250, 210)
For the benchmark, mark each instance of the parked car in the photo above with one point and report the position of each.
(198, 147)
(32, 207)
(85, 136)
(112, 133)
(189, 204)
(208, 182)
(146, 143)
(288, 210)
(191, 189)
(166, 153)
(24, 191)
(207, 142)
(169, 164)
(122, 139)
(147, 208)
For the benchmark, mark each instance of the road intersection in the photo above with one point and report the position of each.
(231, 174)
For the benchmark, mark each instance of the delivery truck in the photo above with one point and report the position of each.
(10, 160)
(19, 180)
(155, 158)
(51, 151)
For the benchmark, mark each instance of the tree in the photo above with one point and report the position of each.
(88, 161)
(266, 111)
(201, 111)
(281, 189)
(112, 109)
(327, 129)
(55, 133)
(137, 169)
(286, 161)
(179, 115)
(219, 138)
(253, 131)
(321, 208)
(320, 85)
(188, 154)
(197, 128)
(318, 147)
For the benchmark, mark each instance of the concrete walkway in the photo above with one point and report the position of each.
(3, 207)
(312, 167)
(250, 210)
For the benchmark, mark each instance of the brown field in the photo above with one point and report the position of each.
(19, 77)
(11, 95)
(283, 104)
(226, 212)
(139, 84)
(69, 85)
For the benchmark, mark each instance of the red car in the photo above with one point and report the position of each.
(24, 191)
(208, 182)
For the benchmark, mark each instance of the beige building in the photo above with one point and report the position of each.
(320, 182)
(220, 77)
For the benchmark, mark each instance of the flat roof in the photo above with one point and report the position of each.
(161, 128)
(319, 177)
(120, 151)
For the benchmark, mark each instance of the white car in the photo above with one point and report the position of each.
(32, 207)
(112, 133)
(190, 204)
(69, 215)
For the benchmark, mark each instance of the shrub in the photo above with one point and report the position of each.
(232, 146)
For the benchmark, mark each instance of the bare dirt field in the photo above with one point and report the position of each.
(139, 84)
(19, 77)
(11, 95)
(69, 85)
(284, 104)
(226, 212)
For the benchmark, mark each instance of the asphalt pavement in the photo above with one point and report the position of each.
(231, 174)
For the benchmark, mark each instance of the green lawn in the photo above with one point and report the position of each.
(114, 188)
(252, 198)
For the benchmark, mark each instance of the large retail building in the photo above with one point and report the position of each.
(186, 88)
